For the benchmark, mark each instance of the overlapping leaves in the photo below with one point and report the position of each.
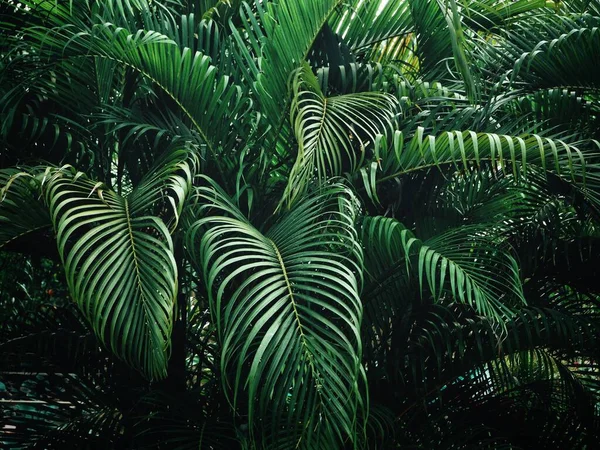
(333, 133)
(456, 265)
(286, 306)
(120, 268)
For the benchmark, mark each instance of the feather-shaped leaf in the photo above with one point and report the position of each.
(119, 265)
(208, 99)
(366, 23)
(333, 133)
(463, 262)
(463, 150)
(287, 311)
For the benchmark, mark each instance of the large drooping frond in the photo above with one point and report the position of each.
(467, 134)
(119, 265)
(286, 306)
(118, 256)
(333, 133)
(207, 98)
(145, 64)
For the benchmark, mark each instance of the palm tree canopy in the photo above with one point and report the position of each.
(299, 224)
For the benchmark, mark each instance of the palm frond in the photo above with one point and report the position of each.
(333, 133)
(288, 44)
(99, 233)
(462, 150)
(541, 51)
(287, 312)
(366, 23)
(68, 412)
(490, 14)
(206, 98)
(458, 261)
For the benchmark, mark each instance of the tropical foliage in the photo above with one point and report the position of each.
(311, 224)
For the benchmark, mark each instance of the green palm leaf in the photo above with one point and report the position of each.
(287, 311)
(333, 133)
(288, 43)
(462, 261)
(366, 23)
(488, 14)
(434, 30)
(209, 100)
(166, 186)
(464, 150)
(119, 265)
(542, 51)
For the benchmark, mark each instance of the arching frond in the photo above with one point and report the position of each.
(462, 150)
(286, 307)
(489, 14)
(208, 99)
(459, 262)
(542, 51)
(333, 133)
(119, 265)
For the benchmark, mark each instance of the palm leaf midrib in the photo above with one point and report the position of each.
(290, 295)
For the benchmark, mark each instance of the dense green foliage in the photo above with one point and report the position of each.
(311, 224)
